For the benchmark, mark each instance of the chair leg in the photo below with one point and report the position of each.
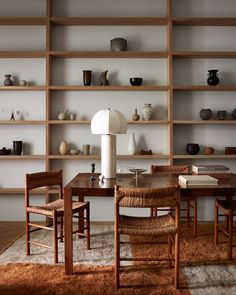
(230, 234)
(55, 237)
(61, 228)
(195, 216)
(27, 234)
(188, 213)
(117, 259)
(169, 251)
(216, 236)
(176, 273)
(88, 226)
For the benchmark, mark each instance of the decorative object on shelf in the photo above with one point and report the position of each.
(221, 115)
(234, 114)
(205, 114)
(17, 147)
(62, 115)
(192, 148)
(5, 151)
(136, 81)
(230, 150)
(132, 145)
(23, 82)
(208, 150)
(63, 147)
(86, 149)
(147, 112)
(92, 177)
(135, 116)
(103, 79)
(87, 77)
(108, 123)
(213, 78)
(72, 116)
(74, 152)
(8, 81)
(18, 116)
(12, 116)
(118, 44)
(143, 152)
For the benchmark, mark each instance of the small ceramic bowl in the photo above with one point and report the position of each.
(136, 81)
(74, 152)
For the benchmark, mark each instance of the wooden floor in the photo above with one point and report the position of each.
(9, 232)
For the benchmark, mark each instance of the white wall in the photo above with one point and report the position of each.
(84, 104)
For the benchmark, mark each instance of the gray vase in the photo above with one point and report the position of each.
(118, 44)
(147, 112)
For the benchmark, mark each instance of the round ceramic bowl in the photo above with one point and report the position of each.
(74, 152)
(136, 81)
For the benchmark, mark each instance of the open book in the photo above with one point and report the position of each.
(197, 180)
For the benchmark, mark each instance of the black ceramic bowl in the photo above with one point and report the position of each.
(136, 81)
(192, 148)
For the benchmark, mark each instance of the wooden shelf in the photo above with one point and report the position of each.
(23, 88)
(87, 122)
(151, 122)
(22, 122)
(204, 88)
(109, 88)
(204, 156)
(109, 54)
(97, 157)
(204, 21)
(204, 54)
(108, 21)
(204, 122)
(22, 157)
(22, 21)
(22, 54)
(144, 157)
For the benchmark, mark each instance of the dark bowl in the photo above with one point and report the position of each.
(136, 81)
(5, 151)
(192, 148)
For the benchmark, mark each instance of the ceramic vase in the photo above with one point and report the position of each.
(8, 81)
(87, 77)
(17, 147)
(213, 79)
(234, 114)
(147, 112)
(118, 44)
(135, 116)
(192, 148)
(132, 145)
(63, 147)
(205, 114)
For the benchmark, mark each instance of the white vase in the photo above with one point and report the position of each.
(132, 145)
(147, 111)
(63, 147)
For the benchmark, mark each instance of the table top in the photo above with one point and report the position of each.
(84, 185)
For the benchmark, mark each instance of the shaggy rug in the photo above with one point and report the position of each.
(94, 271)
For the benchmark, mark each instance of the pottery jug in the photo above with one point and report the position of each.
(213, 79)
(132, 145)
(62, 115)
(63, 147)
(8, 81)
(205, 114)
(135, 116)
(147, 111)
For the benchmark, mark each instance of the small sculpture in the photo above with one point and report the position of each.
(145, 152)
(103, 79)
(92, 177)
(12, 116)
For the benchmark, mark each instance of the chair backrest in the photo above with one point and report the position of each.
(43, 179)
(183, 169)
(146, 197)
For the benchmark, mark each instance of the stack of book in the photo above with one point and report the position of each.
(210, 169)
(197, 180)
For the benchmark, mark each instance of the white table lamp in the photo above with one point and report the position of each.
(108, 123)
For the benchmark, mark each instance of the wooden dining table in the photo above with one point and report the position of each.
(82, 185)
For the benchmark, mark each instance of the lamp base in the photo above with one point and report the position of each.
(108, 155)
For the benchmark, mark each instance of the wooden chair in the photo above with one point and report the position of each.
(229, 211)
(181, 169)
(53, 210)
(165, 225)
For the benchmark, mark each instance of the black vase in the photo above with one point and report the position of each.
(192, 148)
(17, 147)
(213, 79)
(87, 77)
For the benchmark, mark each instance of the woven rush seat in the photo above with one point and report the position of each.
(58, 205)
(131, 225)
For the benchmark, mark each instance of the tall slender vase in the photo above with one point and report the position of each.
(132, 145)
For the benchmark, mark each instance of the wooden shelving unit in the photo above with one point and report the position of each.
(50, 55)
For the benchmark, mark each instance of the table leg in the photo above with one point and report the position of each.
(81, 219)
(195, 216)
(68, 244)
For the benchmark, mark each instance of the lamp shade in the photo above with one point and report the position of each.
(108, 122)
